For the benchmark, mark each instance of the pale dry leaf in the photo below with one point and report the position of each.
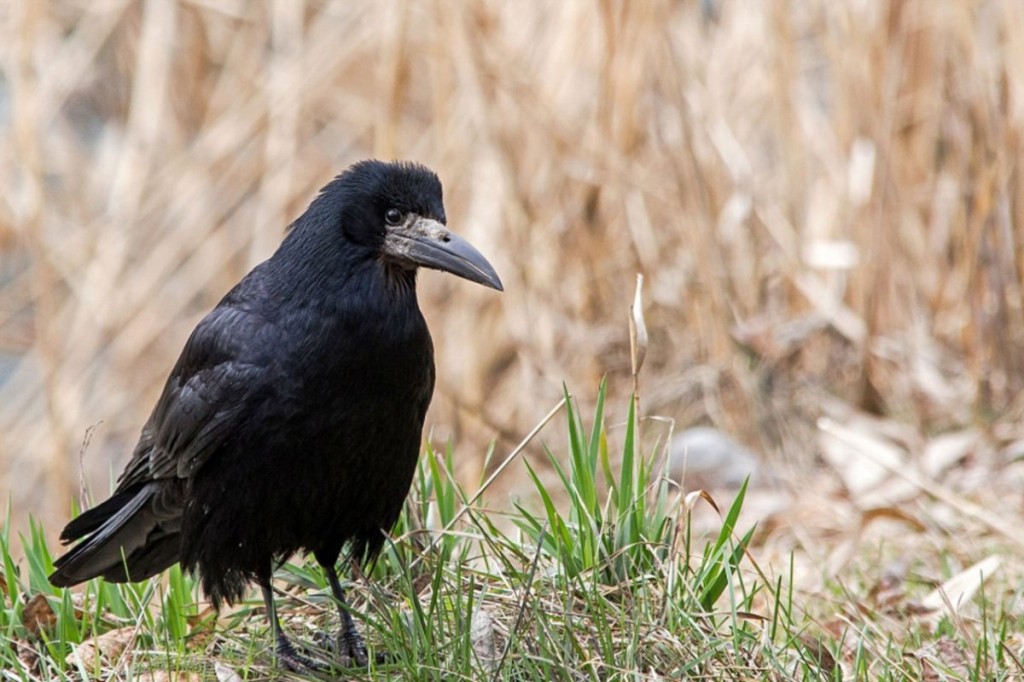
(1011, 452)
(863, 460)
(831, 254)
(101, 649)
(931, 379)
(637, 327)
(892, 492)
(942, 658)
(28, 656)
(481, 634)
(692, 497)
(959, 589)
(225, 673)
(942, 452)
(1014, 644)
(842, 318)
(911, 476)
(860, 172)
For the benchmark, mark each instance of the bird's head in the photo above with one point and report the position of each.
(395, 210)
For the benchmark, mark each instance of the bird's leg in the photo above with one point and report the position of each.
(350, 642)
(286, 654)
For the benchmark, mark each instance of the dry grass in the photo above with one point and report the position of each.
(825, 200)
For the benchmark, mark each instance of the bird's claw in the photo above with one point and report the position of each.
(352, 650)
(295, 662)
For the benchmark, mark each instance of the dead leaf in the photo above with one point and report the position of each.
(940, 659)
(692, 498)
(27, 656)
(208, 616)
(38, 615)
(839, 434)
(102, 649)
(421, 582)
(862, 459)
(816, 653)
(481, 633)
(890, 590)
(835, 627)
(224, 673)
(637, 328)
(893, 514)
(942, 452)
(959, 589)
(1014, 644)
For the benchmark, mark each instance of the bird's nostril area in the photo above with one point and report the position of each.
(446, 238)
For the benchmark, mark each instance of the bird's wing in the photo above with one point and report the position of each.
(221, 371)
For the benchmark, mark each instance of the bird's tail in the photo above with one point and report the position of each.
(129, 537)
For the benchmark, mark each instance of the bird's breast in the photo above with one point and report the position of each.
(363, 354)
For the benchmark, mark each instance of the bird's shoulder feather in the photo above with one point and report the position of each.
(224, 367)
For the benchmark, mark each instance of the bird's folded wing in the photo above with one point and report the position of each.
(217, 378)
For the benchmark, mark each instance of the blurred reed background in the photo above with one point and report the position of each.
(825, 199)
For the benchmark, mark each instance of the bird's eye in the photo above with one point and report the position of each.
(393, 216)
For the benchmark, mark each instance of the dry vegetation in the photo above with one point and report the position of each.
(825, 199)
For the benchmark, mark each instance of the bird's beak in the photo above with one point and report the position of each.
(430, 244)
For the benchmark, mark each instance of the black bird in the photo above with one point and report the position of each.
(293, 419)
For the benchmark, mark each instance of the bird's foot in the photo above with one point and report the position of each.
(292, 660)
(350, 649)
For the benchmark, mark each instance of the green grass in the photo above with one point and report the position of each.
(603, 580)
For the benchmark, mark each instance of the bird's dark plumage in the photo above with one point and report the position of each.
(292, 420)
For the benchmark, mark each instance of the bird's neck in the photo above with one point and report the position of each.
(342, 279)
